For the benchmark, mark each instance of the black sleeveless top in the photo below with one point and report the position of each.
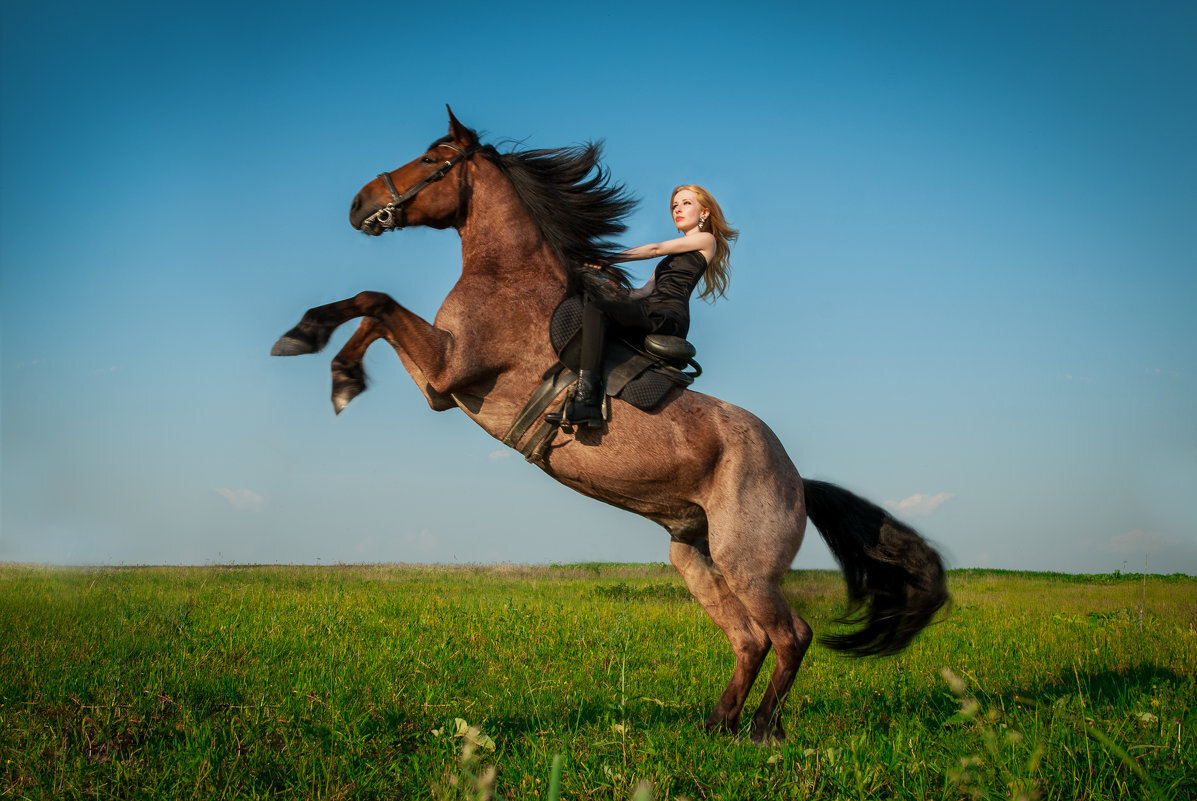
(676, 276)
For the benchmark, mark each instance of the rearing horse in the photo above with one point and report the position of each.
(712, 474)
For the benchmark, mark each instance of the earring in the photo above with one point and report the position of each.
(702, 222)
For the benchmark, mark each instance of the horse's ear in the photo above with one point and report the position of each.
(459, 132)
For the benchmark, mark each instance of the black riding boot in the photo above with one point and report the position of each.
(585, 408)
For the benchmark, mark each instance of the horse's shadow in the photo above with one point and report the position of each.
(592, 715)
(1098, 688)
(1101, 686)
(934, 708)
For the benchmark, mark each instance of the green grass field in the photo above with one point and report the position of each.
(349, 682)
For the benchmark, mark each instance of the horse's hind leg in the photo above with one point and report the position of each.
(349, 377)
(790, 636)
(753, 546)
(748, 640)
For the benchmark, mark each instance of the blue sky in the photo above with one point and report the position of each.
(965, 287)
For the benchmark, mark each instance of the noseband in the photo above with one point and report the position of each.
(394, 214)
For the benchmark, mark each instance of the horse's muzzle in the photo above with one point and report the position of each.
(374, 223)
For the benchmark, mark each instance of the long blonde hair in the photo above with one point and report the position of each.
(714, 280)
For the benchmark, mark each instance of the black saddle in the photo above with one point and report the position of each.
(640, 373)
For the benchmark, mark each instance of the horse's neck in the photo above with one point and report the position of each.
(499, 309)
(501, 242)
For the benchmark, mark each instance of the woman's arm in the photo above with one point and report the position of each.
(683, 244)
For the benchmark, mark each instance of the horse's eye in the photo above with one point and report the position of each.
(426, 160)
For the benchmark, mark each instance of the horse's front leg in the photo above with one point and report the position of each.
(316, 326)
(424, 349)
(349, 376)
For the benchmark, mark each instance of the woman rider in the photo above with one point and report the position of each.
(661, 306)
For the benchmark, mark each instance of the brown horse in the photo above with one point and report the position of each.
(712, 474)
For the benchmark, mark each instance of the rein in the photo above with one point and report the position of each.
(394, 214)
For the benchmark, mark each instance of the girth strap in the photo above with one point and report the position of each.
(533, 450)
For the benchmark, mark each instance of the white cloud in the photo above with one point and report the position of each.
(920, 505)
(502, 453)
(421, 543)
(243, 499)
(1136, 541)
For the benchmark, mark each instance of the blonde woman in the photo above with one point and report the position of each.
(661, 306)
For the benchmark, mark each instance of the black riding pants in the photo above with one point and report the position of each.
(631, 318)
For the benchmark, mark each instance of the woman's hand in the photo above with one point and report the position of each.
(599, 284)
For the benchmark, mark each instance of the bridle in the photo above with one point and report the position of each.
(394, 214)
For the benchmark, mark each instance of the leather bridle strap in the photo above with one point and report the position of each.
(393, 214)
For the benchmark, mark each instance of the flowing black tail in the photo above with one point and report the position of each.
(895, 579)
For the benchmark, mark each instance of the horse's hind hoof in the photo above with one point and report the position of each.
(719, 725)
(767, 735)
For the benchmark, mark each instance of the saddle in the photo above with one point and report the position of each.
(641, 374)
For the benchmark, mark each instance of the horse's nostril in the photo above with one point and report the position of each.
(357, 203)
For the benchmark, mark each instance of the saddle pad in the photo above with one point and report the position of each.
(566, 323)
(627, 375)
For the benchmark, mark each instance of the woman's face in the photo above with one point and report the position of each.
(686, 210)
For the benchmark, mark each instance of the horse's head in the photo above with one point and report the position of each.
(427, 191)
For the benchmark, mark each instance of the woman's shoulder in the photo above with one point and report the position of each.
(703, 241)
(707, 245)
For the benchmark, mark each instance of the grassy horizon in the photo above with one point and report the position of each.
(364, 681)
(501, 567)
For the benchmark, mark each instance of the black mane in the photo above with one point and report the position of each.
(573, 201)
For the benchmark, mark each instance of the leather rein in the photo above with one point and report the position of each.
(394, 214)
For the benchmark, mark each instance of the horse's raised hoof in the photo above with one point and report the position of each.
(349, 381)
(300, 340)
(289, 346)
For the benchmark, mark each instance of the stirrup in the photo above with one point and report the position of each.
(565, 416)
